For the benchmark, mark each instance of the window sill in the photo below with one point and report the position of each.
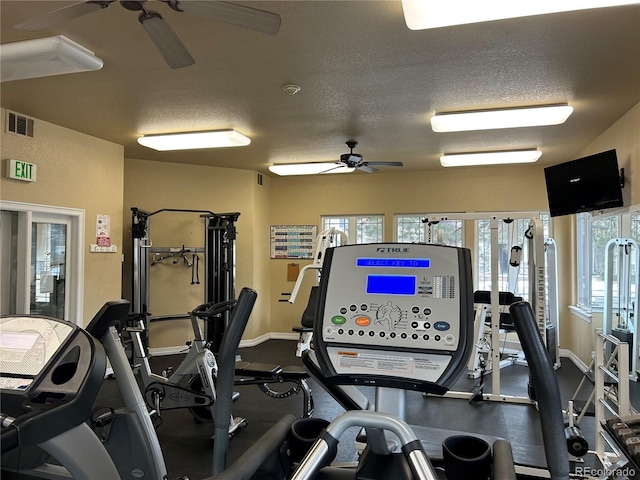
(581, 313)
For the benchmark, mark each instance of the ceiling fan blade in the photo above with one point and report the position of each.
(62, 15)
(241, 16)
(366, 168)
(171, 47)
(386, 164)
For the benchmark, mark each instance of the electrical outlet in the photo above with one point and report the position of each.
(93, 248)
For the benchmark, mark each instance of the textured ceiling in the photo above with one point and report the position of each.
(363, 74)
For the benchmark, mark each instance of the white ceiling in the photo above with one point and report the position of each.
(363, 74)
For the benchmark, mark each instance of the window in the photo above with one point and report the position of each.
(413, 228)
(358, 229)
(593, 233)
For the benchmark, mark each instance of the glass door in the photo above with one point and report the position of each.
(48, 268)
(41, 261)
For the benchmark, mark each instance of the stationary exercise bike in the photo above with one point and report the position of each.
(192, 384)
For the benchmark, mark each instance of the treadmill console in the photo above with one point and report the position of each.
(395, 315)
(50, 373)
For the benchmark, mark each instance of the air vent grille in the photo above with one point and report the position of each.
(259, 179)
(19, 124)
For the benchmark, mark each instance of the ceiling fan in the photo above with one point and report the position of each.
(171, 47)
(354, 160)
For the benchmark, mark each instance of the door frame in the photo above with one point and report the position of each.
(74, 284)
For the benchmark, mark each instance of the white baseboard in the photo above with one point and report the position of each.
(574, 358)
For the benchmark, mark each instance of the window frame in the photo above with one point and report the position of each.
(352, 222)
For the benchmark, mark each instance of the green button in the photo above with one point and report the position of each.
(338, 320)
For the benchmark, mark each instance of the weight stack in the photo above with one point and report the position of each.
(552, 343)
(625, 336)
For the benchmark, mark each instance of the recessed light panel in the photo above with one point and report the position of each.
(500, 118)
(424, 14)
(195, 140)
(489, 158)
(309, 168)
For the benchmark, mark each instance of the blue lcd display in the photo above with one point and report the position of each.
(391, 285)
(394, 262)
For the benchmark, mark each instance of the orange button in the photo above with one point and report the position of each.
(363, 321)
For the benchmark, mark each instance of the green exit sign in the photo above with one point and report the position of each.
(20, 170)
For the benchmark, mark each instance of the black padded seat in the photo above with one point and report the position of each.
(246, 369)
(293, 372)
(504, 299)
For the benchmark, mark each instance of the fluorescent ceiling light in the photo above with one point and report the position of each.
(43, 57)
(309, 168)
(193, 140)
(423, 14)
(489, 158)
(505, 118)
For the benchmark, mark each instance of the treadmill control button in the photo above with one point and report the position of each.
(415, 309)
(442, 326)
(338, 320)
(343, 310)
(449, 339)
(427, 311)
(363, 321)
(353, 308)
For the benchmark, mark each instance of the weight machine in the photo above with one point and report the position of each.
(219, 263)
(542, 294)
(622, 269)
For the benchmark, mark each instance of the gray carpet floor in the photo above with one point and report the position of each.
(187, 445)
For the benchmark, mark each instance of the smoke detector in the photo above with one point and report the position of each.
(290, 89)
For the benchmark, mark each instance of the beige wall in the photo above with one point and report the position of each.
(76, 171)
(152, 186)
(624, 136)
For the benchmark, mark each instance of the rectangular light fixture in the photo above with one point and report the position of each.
(43, 57)
(194, 140)
(424, 14)
(309, 168)
(490, 158)
(534, 116)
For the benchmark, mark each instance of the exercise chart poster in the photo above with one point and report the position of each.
(293, 241)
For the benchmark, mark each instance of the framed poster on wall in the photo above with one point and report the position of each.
(292, 241)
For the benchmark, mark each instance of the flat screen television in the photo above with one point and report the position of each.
(584, 185)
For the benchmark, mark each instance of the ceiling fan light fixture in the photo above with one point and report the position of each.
(517, 117)
(425, 14)
(43, 57)
(285, 169)
(195, 140)
(490, 158)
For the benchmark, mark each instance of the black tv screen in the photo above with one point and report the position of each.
(584, 185)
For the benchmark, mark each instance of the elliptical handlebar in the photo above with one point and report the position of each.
(547, 390)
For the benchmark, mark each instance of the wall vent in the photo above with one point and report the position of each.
(259, 179)
(19, 124)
